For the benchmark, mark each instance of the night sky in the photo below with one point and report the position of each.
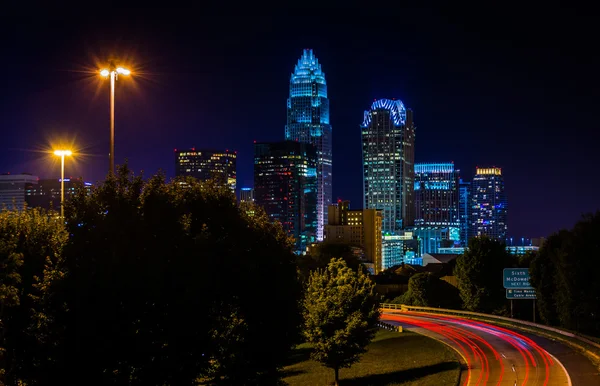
(490, 86)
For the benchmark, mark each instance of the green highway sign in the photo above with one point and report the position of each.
(519, 293)
(516, 278)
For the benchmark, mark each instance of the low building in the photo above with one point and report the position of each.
(361, 227)
(13, 190)
(46, 193)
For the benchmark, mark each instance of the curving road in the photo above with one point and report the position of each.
(493, 355)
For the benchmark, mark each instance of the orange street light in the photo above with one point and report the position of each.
(62, 154)
(113, 72)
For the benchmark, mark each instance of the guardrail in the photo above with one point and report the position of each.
(432, 310)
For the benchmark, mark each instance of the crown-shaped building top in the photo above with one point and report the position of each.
(308, 69)
(396, 108)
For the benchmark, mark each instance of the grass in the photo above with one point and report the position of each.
(392, 358)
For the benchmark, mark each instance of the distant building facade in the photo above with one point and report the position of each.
(308, 122)
(437, 222)
(360, 227)
(388, 138)
(285, 185)
(246, 195)
(207, 164)
(489, 210)
(46, 193)
(464, 211)
(13, 190)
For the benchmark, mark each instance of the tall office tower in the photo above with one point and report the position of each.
(13, 190)
(46, 193)
(436, 198)
(246, 195)
(488, 204)
(360, 227)
(464, 211)
(207, 164)
(285, 185)
(308, 122)
(388, 140)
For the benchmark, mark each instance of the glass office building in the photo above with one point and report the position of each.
(488, 204)
(285, 185)
(436, 200)
(464, 211)
(46, 193)
(308, 122)
(388, 139)
(204, 165)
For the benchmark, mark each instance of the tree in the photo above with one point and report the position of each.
(427, 290)
(171, 282)
(31, 243)
(321, 254)
(563, 274)
(341, 310)
(479, 275)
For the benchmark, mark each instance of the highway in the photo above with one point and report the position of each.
(492, 355)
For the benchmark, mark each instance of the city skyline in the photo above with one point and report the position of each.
(464, 109)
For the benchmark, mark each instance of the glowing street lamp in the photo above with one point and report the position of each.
(113, 72)
(62, 154)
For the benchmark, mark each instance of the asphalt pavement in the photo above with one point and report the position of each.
(495, 355)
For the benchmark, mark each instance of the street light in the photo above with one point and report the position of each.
(113, 72)
(62, 154)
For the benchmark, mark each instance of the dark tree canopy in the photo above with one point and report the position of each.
(479, 275)
(31, 243)
(427, 290)
(321, 254)
(170, 282)
(564, 274)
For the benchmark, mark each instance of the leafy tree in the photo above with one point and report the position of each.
(323, 253)
(31, 243)
(173, 282)
(341, 310)
(479, 275)
(564, 276)
(427, 290)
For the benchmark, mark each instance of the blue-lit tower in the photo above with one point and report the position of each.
(388, 141)
(437, 200)
(488, 204)
(464, 211)
(308, 122)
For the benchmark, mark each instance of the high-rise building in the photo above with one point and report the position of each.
(360, 227)
(285, 185)
(207, 164)
(46, 193)
(246, 195)
(388, 140)
(308, 122)
(488, 204)
(436, 200)
(464, 211)
(13, 189)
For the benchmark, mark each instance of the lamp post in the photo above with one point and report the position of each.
(62, 154)
(113, 72)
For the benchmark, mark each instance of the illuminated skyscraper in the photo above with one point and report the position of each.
(388, 140)
(436, 198)
(246, 195)
(207, 164)
(285, 185)
(464, 211)
(489, 204)
(308, 122)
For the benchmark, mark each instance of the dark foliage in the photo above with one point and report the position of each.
(479, 275)
(427, 290)
(172, 282)
(564, 274)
